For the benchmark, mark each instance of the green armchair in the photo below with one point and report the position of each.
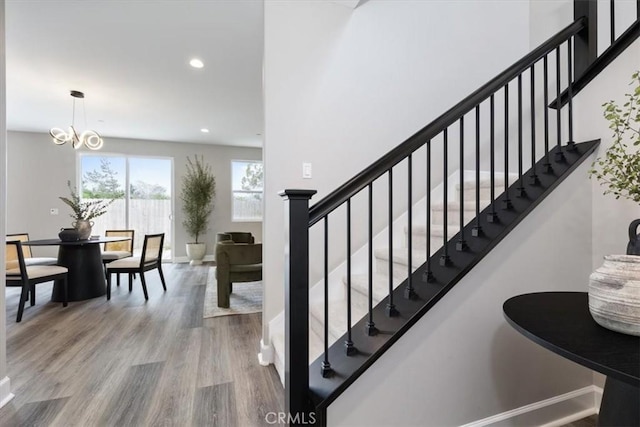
(238, 259)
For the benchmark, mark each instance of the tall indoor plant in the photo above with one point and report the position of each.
(198, 194)
(619, 169)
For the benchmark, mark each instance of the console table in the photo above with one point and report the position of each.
(83, 258)
(561, 322)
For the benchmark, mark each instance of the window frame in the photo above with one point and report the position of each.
(234, 191)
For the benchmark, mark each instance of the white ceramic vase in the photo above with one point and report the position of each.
(195, 252)
(614, 294)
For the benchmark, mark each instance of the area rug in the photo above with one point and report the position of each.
(246, 298)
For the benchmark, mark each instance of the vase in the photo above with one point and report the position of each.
(69, 235)
(614, 294)
(196, 252)
(84, 228)
(633, 247)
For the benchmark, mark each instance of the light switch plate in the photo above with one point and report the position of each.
(306, 170)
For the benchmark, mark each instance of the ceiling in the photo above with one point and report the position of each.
(131, 59)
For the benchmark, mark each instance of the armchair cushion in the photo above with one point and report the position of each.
(236, 262)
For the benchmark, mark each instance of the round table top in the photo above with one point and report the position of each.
(561, 322)
(58, 242)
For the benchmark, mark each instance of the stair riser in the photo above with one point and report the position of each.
(453, 218)
(485, 193)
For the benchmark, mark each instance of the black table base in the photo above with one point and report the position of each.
(620, 405)
(86, 273)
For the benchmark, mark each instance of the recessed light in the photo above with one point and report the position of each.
(204, 130)
(196, 63)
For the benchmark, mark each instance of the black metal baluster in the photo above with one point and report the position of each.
(391, 307)
(428, 274)
(477, 230)
(461, 244)
(546, 166)
(350, 349)
(445, 259)
(326, 366)
(533, 178)
(506, 203)
(571, 146)
(612, 10)
(492, 216)
(520, 189)
(409, 293)
(559, 157)
(371, 326)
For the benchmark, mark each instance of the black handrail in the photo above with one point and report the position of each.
(336, 198)
(600, 63)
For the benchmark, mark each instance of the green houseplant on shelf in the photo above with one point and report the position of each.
(619, 169)
(197, 195)
(84, 212)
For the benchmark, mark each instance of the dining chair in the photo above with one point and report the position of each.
(151, 258)
(113, 251)
(29, 259)
(27, 277)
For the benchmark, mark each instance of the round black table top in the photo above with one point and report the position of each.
(561, 322)
(58, 242)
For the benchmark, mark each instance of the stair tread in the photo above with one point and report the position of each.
(360, 284)
(400, 255)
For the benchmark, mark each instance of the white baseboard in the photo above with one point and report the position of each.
(265, 357)
(184, 259)
(5, 391)
(552, 412)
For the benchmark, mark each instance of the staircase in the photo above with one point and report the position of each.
(359, 282)
(334, 331)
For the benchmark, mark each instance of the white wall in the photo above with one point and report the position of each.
(5, 388)
(462, 362)
(38, 171)
(343, 87)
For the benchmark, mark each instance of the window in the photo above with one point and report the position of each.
(141, 187)
(246, 190)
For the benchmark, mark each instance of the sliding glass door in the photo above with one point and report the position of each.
(142, 191)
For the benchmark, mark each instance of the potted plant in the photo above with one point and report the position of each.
(619, 169)
(84, 212)
(614, 298)
(198, 193)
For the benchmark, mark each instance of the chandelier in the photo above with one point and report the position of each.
(90, 138)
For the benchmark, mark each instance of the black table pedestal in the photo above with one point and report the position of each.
(620, 405)
(86, 273)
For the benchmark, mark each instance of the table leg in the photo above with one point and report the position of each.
(620, 405)
(86, 274)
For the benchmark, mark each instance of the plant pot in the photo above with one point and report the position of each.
(614, 294)
(84, 228)
(633, 247)
(69, 235)
(195, 252)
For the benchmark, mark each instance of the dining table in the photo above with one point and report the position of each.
(83, 259)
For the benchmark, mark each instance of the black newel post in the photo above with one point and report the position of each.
(296, 304)
(586, 41)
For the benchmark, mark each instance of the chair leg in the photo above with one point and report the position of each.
(164, 286)
(23, 298)
(108, 286)
(144, 286)
(118, 279)
(65, 301)
(130, 282)
(32, 292)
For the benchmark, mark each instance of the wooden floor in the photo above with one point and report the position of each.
(127, 362)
